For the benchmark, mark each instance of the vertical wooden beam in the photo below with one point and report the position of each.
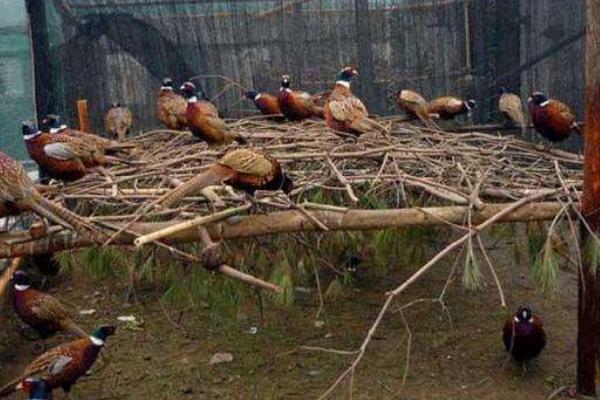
(83, 116)
(45, 89)
(366, 82)
(588, 319)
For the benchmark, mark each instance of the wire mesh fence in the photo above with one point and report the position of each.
(107, 51)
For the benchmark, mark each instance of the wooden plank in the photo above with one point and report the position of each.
(83, 118)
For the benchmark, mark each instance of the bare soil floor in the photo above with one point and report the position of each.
(167, 356)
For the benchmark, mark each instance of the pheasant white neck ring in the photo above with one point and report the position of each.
(544, 103)
(33, 135)
(166, 88)
(193, 99)
(21, 288)
(343, 83)
(97, 341)
(257, 96)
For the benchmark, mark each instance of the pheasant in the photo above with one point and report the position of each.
(448, 107)
(267, 104)
(61, 157)
(244, 169)
(118, 121)
(344, 112)
(296, 106)
(109, 146)
(203, 118)
(552, 119)
(62, 366)
(415, 106)
(511, 107)
(44, 313)
(19, 193)
(36, 388)
(523, 335)
(171, 107)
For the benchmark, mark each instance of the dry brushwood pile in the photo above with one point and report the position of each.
(410, 168)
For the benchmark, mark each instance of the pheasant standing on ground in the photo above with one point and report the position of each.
(203, 118)
(267, 104)
(449, 107)
(62, 366)
(44, 313)
(344, 112)
(118, 121)
(511, 107)
(171, 107)
(552, 119)
(295, 105)
(19, 193)
(244, 169)
(415, 106)
(36, 388)
(523, 335)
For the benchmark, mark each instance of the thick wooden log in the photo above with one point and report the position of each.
(588, 316)
(15, 244)
(83, 115)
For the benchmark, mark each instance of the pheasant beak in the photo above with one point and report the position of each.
(19, 386)
(354, 72)
(530, 99)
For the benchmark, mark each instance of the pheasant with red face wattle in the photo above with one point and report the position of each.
(449, 107)
(296, 105)
(344, 112)
(44, 313)
(171, 107)
(118, 121)
(62, 366)
(203, 118)
(523, 335)
(244, 169)
(552, 119)
(18, 192)
(36, 388)
(267, 104)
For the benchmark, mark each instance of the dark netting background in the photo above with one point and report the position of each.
(107, 51)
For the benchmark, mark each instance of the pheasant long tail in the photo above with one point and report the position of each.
(66, 218)
(10, 387)
(369, 125)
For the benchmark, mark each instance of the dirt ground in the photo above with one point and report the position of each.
(167, 355)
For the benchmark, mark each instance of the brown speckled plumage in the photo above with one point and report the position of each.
(118, 121)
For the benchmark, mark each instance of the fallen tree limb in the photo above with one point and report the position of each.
(19, 243)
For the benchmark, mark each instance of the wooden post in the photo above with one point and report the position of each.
(82, 115)
(366, 82)
(589, 277)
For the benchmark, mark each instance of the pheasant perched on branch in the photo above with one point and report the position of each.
(415, 106)
(244, 169)
(44, 313)
(171, 107)
(62, 366)
(295, 105)
(344, 112)
(61, 157)
(511, 107)
(18, 192)
(267, 104)
(449, 107)
(523, 335)
(203, 118)
(36, 388)
(118, 121)
(109, 146)
(552, 119)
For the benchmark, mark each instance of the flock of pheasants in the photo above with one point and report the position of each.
(67, 154)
